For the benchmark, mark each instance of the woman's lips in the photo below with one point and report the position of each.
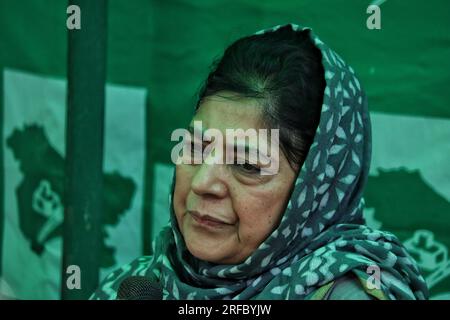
(206, 220)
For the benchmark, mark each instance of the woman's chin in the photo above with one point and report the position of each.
(204, 254)
(213, 252)
(205, 249)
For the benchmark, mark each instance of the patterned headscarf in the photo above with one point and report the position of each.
(321, 236)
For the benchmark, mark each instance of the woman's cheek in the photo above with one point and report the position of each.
(256, 218)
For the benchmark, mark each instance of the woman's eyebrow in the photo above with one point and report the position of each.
(247, 147)
(260, 158)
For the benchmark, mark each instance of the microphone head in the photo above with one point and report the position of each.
(139, 288)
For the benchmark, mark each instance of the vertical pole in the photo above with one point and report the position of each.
(147, 212)
(2, 175)
(84, 150)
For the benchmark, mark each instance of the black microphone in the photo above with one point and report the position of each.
(139, 288)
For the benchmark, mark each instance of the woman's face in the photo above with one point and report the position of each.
(225, 211)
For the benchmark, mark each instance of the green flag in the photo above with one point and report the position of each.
(408, 191)
(34, 171)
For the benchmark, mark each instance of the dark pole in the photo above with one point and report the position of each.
(2, 176)
(84, 149)
(147, 212)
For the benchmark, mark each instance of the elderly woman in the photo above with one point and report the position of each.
(296, 234)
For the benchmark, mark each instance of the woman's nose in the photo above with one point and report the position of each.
(207, 181)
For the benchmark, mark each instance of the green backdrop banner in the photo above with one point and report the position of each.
(165, 48)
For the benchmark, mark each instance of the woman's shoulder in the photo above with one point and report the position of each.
(347, 287)
(107, 290)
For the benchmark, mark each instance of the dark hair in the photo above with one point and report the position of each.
(283, 68)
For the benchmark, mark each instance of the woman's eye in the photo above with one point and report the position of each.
(248, 168)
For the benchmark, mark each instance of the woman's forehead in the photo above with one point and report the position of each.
(225, 112)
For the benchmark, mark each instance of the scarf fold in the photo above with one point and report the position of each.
(321, 236)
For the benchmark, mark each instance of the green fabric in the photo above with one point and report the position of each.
(321, 236)
(321, 293)
(347, 287)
